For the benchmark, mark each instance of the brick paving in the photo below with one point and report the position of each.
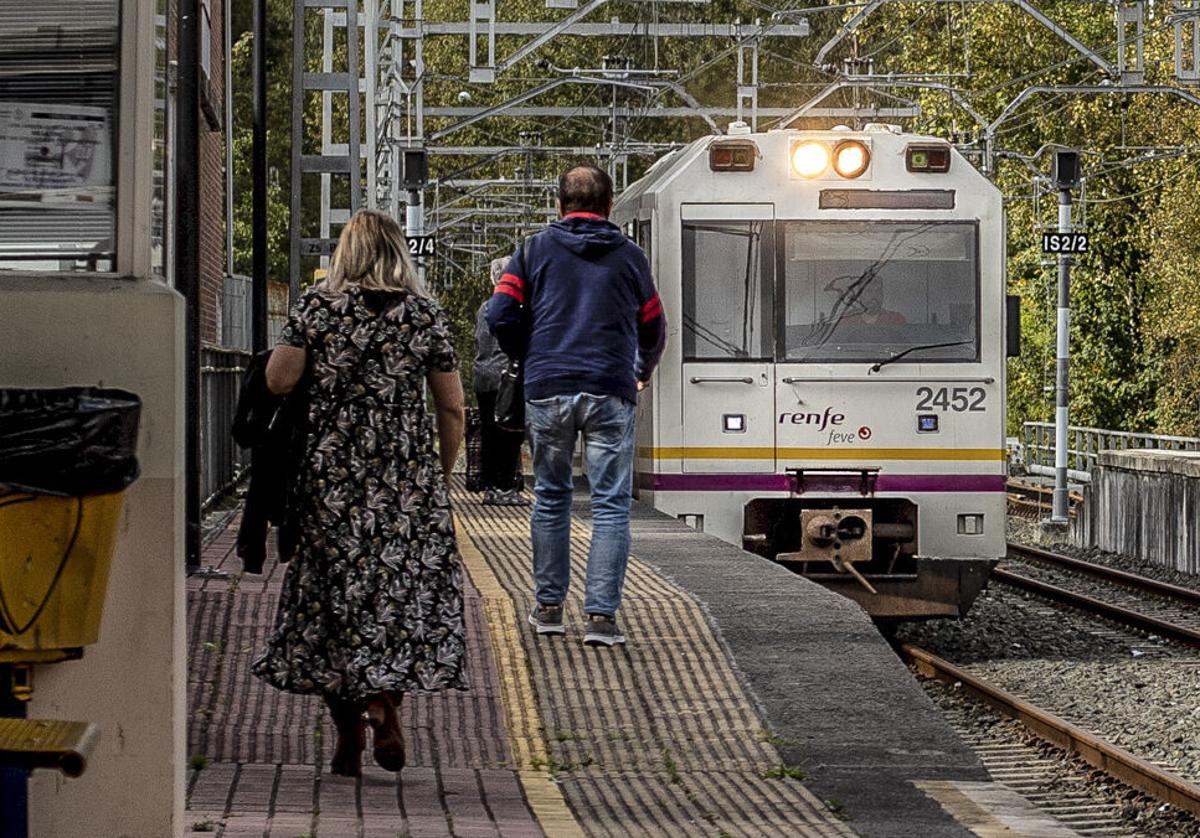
(265, 753)
(655, 738)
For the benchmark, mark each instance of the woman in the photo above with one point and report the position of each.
(372, 602)
(500, 449)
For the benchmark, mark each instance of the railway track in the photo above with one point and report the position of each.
(1126, 767)
(1168, 611)
(1034, 502)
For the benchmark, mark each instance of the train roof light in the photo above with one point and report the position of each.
(927, 158)
(810, 158)
(851, 158)
(732, 156)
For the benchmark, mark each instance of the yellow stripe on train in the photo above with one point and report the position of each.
(856, 453)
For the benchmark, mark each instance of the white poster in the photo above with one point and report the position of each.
(51, 149)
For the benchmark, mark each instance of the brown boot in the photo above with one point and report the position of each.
(389, 741)
(351, 736)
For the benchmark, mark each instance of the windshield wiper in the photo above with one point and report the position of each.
(881, 364)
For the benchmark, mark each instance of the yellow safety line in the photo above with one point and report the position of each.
(516, 692)
(850, 453)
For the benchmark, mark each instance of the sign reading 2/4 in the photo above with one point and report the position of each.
(957, 399)
(420, 245)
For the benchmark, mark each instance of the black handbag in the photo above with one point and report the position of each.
(510, 398)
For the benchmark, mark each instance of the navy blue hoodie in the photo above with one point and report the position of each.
(578, 303)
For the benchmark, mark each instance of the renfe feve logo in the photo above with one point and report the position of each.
(820, 421)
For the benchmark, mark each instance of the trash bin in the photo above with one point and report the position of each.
(66, 456)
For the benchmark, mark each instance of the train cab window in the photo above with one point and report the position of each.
(727, 290)
(857, 291)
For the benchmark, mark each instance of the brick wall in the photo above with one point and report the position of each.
(212, 172)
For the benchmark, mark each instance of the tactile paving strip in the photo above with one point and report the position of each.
(656, 737)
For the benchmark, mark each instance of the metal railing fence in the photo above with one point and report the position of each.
(223, 462)
(1085, 444)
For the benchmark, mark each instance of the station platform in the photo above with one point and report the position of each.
(747, 702)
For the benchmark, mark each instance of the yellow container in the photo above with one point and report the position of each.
(55, 554)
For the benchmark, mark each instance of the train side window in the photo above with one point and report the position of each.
(727, 290)
(643, 237)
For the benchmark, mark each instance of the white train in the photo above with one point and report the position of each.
(833, 392)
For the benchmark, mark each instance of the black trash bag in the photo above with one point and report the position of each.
(68, 441)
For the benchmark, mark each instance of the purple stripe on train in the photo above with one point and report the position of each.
(818, 483)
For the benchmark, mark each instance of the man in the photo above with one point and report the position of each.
(578, 304)
(872, 312)
(501, 449)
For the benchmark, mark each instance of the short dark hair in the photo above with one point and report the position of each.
(585, 188)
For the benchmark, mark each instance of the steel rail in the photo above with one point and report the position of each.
(1117, 762)
(1136, 619)
(1185, 596)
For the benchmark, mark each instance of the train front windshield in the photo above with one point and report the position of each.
(871, 290)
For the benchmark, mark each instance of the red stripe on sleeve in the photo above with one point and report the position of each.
(651, 309)
(505, 288)
(513, 279)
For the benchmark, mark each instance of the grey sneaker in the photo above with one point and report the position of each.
(602, 631)
(547, 619)
(491, 498)
(511, 498)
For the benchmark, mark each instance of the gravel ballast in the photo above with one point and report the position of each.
(1137, 691)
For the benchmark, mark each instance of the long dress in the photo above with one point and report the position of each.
(372, 601)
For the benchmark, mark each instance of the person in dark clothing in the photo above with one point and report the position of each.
(578, 305)
(500, 449)
(274, 429)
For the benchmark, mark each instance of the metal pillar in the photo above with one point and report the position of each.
(1065, 177)
(259, 176)
(227, 20)
(187, 256)
(1063, 356)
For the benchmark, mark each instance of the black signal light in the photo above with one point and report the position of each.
(732, 156)
(927, 158)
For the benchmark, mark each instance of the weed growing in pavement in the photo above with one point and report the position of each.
(235, 581)
(837, 808)
(671, 766)
(783, 772)
(198, 762)
(618, 735)
(553, 765)
(566, 736)
(204, 826)
(774, 739)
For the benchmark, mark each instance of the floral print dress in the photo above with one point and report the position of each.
(372, 601)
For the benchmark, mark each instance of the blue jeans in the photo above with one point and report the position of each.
(607, 426)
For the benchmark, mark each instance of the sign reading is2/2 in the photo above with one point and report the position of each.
(956, 399)
(1064, 242)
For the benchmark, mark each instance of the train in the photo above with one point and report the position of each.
(833, 393)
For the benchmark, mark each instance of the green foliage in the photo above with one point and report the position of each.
(784, 772)
(1135, 328)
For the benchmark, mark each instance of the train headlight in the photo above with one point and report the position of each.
(810, 159)
(851, 158)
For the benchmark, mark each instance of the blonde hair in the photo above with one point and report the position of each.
(372, 253)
